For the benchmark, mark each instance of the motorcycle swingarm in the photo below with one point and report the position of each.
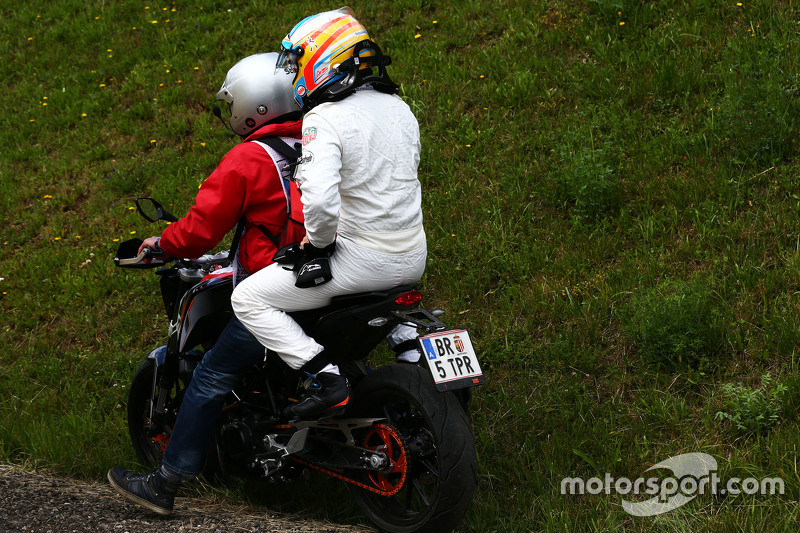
(329, 453)
(334, 455)
(342, 425)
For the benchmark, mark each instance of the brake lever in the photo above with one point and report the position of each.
(146, 251)
(144, 254)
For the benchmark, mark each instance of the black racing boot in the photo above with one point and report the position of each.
(326, 392)
(153, 491)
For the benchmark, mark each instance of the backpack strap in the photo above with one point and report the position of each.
(271, 236)
(236, 236)
(293, 154)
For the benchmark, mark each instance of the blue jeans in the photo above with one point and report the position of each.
(217, 374)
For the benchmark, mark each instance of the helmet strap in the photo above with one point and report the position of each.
(358, 72)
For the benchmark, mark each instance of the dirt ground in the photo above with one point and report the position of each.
(42, 503)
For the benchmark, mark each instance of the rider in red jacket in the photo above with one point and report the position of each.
(245, 183)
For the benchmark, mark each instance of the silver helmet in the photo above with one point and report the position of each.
(257, 93)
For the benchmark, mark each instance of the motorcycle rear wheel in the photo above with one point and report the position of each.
(149, 437)
(441, 459)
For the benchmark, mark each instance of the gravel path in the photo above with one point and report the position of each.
(42, 503)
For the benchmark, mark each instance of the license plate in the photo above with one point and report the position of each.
(451, 359)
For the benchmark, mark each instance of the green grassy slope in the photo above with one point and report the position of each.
(611, 201)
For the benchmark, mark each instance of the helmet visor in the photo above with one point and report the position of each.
(287, 59)
(223, 94)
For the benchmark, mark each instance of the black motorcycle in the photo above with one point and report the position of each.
(404, 443)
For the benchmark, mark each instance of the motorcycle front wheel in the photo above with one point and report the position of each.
(439, 462)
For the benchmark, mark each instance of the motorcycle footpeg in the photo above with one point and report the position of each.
(295, 444)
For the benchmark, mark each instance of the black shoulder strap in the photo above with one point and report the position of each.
(236, 236)
(292, 153)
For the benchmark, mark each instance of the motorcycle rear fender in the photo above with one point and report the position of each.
(421, 318)
(343, 327)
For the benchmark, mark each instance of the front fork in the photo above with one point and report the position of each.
(169, 370)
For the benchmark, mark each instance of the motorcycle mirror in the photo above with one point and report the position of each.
(152, 210)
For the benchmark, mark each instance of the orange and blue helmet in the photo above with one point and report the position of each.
(331, 54)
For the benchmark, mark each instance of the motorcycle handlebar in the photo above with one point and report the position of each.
(128, 254)
(125, 258)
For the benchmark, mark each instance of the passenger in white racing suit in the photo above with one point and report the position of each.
(361, 203)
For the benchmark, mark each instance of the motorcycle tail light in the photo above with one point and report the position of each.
(408, 299)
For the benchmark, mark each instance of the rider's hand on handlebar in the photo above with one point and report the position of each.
(155, 250)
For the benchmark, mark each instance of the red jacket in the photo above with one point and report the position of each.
(246, 182)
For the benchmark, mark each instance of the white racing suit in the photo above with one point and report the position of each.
(359, 186)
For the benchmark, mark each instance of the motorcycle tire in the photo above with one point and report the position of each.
(440, 459)
(150, 437)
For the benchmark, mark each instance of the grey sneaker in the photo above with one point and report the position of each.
(153, 490)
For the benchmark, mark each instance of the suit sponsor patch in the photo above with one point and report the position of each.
(309, 134)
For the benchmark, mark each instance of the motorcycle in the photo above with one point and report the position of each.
(403, 445)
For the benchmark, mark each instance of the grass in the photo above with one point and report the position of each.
(611, 202)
